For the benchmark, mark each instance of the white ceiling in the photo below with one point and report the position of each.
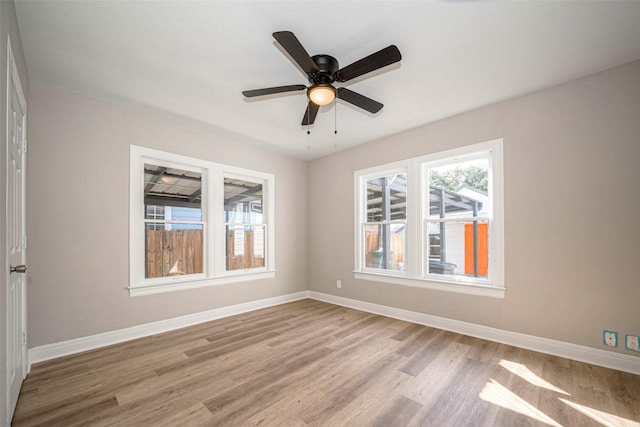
(193, 58)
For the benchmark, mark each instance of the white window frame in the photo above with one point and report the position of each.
(204, 220)
(214, 265)
(362, 222)
(415, 258)
(235, 173)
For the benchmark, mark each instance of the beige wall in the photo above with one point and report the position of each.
(571, 208)
(572, 204)
(8, 29)
(78, 217)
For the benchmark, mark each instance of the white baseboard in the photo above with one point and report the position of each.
(594, 356)
(607, 359)
(77, 345)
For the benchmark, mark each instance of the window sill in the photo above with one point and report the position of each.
(439, 285)
(141, 290)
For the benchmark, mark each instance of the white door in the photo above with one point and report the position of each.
(16, 238)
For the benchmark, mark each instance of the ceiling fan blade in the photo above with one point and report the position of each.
(381, 58)
(294, 48)
(310, 114)
(359, 100)
(272, 90)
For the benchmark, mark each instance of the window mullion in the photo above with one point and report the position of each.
(162, 221)
(413, 253)
(216, 208)
(460, 219)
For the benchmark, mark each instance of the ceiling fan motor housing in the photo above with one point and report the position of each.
(327, 68)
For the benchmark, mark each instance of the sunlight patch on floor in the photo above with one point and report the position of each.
(604, 418)
(496, 393)
(525, 373)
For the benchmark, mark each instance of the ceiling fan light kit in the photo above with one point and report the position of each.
(322, 71)
(321, 94)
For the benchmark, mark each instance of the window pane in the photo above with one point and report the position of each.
(245, 247)
(173, 249)
(172, 194)
(459, 248)
(242, 201)
(183, 214)
(154, 212)
(384, 246)
(459, 190)
(387, 198)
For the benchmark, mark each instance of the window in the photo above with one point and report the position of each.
(174, 225)
(457, 217)
(243, 219)
(384, 228)
(195, 223)
(434, 221)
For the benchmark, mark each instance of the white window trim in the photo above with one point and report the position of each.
(414, 274)
(255, 177)
(390, 169)
(214, 232)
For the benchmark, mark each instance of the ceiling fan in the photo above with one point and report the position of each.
(323, 71)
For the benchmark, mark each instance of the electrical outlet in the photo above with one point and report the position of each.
(339, 284)
(610, 338)
(631, 342)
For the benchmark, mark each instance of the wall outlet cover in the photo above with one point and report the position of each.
(610, 338)
(631, 342)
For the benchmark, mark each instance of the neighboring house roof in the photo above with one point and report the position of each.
(464, 187)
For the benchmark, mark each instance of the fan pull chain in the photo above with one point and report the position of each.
(335, 115)
(308, 125)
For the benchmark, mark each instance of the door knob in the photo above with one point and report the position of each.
(18, 269)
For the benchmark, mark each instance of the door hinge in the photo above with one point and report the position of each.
(24, 242)
(24, 145)
(24, 338)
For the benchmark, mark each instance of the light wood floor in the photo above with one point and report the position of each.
(312, 363)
